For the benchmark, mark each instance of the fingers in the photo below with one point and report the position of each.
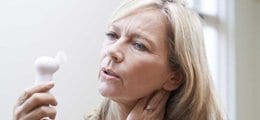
(38, 99)
(41, 112)
(158, 99)
(137, 112)
(35, 103)
(36, 89)
(150, 107)
(141, 104)
(156, 105)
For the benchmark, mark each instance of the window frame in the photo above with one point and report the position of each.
(223, 23)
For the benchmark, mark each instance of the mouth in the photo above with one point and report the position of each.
(109, 74)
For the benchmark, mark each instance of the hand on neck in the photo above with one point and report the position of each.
(120, 110)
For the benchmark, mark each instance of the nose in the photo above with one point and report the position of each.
(115, 52)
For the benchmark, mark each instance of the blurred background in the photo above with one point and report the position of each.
(33, 28)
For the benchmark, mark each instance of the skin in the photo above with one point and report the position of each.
(35, 102)
(136, 50)
(157, 104)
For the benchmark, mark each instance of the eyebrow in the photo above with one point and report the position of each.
(114, 28)
(145, 36)
(138, 33)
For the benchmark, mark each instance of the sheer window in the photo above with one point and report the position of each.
(214, 14)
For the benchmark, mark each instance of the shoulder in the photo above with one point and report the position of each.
(94, 115)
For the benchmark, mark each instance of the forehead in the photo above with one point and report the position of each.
(149, 18)
(150, 22)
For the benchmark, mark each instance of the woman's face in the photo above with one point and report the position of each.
(134, 57)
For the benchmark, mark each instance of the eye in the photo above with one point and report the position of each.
(112, 35)
(140, 46)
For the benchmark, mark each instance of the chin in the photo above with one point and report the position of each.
(107, 90)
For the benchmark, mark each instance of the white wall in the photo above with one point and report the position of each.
(247, 53)
(31, 28)
(258, 58)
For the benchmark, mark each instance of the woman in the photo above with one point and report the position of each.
(153, 67)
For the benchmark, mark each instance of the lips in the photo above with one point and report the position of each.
(109, 74)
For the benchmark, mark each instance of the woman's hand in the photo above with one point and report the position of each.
(150, 108)
(34, 103)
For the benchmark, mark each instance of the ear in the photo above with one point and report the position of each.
(174, 80)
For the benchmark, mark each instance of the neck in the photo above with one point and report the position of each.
(120, 110)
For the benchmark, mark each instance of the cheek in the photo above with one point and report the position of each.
(103, 59)
(145, 78)
(102, 52)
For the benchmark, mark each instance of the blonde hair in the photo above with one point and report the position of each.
(195, 98)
